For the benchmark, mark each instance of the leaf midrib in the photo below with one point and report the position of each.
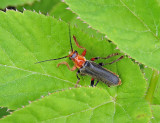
(91, 108)
(140, 20)
(38, 73)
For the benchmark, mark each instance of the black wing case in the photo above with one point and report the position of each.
(97, 72)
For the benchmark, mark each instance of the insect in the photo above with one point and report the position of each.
(88, 67)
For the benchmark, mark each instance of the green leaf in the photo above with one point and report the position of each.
(155, 118)
(59, 10)
(25, 39)
(23, 43)
(5, 3)
(28, 37)
(132, 25)
(44, 6)
(82, 105)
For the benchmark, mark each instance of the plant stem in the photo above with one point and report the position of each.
(152, 86)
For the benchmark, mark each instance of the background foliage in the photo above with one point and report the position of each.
(32, 92)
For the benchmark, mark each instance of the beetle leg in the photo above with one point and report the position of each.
(92, 82)
(65, 63)
(102, 64)
(96, 58)
(84, 51)
(96, 83)
(77, 78)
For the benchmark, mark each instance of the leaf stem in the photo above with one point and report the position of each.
(152, 86)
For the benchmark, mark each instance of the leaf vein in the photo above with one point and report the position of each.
(139, 19)
(33, 72)
(7, 55)
(80, 111)
(13, 81)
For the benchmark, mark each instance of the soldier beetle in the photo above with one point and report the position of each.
(88, 67)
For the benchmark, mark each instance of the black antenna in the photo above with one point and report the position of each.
(51, 59)
(61, 57)
(70, 38)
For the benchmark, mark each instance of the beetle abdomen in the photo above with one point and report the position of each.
(97, 72)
